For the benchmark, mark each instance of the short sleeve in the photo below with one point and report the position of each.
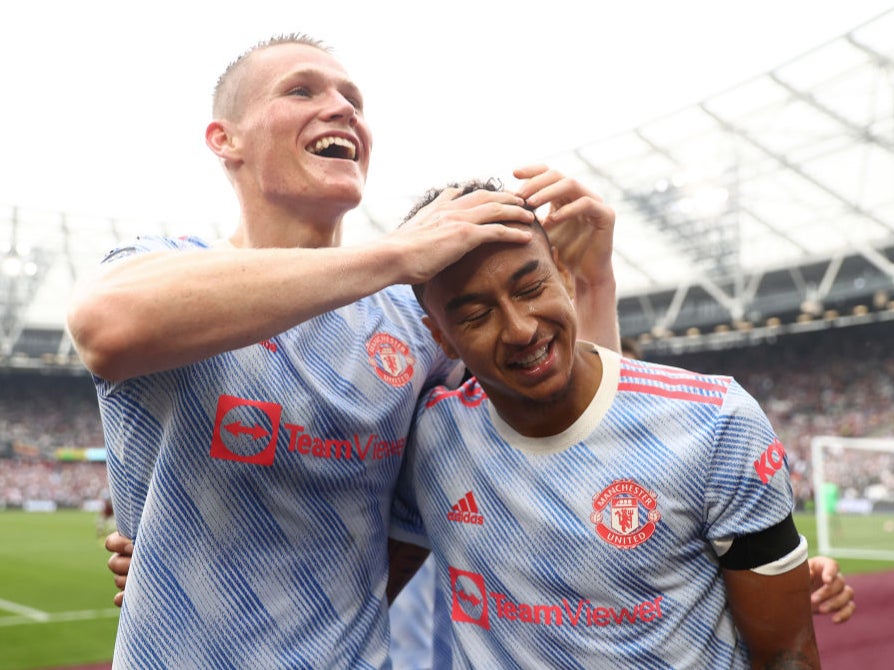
(748, 488)
(406, 520)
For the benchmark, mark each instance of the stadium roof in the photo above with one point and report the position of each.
(783, 184)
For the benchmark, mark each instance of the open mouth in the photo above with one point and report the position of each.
(531, 359)
(334, 147)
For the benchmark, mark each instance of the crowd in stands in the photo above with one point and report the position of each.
(45, 412)
(833, 382)
(66, 484)
(39, 415)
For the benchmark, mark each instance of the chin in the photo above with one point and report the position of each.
(349, 191)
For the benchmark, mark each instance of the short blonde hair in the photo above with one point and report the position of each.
(225, 101)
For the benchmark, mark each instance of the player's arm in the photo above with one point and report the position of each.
(119, 563)
(161, 310)
(404, 559)
(768, 587)
(581, 226)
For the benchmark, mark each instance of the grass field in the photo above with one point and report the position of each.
(862, 532)
(56, 592)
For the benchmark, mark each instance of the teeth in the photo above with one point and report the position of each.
(325, 142)
(533, 357)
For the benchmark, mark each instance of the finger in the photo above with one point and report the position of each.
(586, 210)
(837, 602)
(445, 196)
(528, 171)
(533, 190)
(826, 591)
(476, 207)
(561, 192)
(481, 196)
(119, 544)
(497, 212)
(119, 599)
(824, 568)
(118, 564)
(120, 581)
(831, 571)
(500, 233)
(449, 193)
(844, 613)
(835, 586)
(113, 540)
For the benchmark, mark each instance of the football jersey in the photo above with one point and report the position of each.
(257, 484)
(593, 548)
(411, 616)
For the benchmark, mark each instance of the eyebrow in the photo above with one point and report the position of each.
(459, 301)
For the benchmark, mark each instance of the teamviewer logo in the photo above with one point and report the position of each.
(469, 598)
(245, 430)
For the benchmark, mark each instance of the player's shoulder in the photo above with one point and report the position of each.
(672, 382)
(149, 243)
(468, 396)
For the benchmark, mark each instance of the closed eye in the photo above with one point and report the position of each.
(475, 317)
(533, 290)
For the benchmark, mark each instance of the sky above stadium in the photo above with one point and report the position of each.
(104, 104)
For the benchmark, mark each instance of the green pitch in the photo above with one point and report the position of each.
(871, 534)
(56, 592)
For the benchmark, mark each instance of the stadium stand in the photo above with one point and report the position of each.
(829, 382)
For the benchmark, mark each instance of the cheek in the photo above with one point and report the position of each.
(472, 345)
(562, 312)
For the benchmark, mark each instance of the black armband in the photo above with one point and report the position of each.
(771, 544)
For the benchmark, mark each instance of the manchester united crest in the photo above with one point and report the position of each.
(625, 513)
(390, 359)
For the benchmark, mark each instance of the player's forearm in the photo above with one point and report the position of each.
(168, 309)
(597, 312)
(773, 616)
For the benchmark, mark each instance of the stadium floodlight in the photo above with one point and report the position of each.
(853, 488)
(12, 266)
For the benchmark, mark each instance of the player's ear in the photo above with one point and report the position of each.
(439, 337)
(221, 139)
(564, 273)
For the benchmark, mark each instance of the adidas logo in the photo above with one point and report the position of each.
(466, 511)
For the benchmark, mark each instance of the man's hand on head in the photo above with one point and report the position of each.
(447, 228)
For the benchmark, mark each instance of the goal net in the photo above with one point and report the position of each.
(853, 489)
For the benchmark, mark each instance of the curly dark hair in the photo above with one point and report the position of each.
(490, 184)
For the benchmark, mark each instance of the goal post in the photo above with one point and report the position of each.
(853, 492)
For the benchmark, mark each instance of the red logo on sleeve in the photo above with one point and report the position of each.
(770, 461)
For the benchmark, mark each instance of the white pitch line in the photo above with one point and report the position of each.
(24, 610)
(32, 616)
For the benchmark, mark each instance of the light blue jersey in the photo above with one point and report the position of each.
(258, 485)
(593, 548)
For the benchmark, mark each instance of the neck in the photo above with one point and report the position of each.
(267, 224)
(546, 417)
